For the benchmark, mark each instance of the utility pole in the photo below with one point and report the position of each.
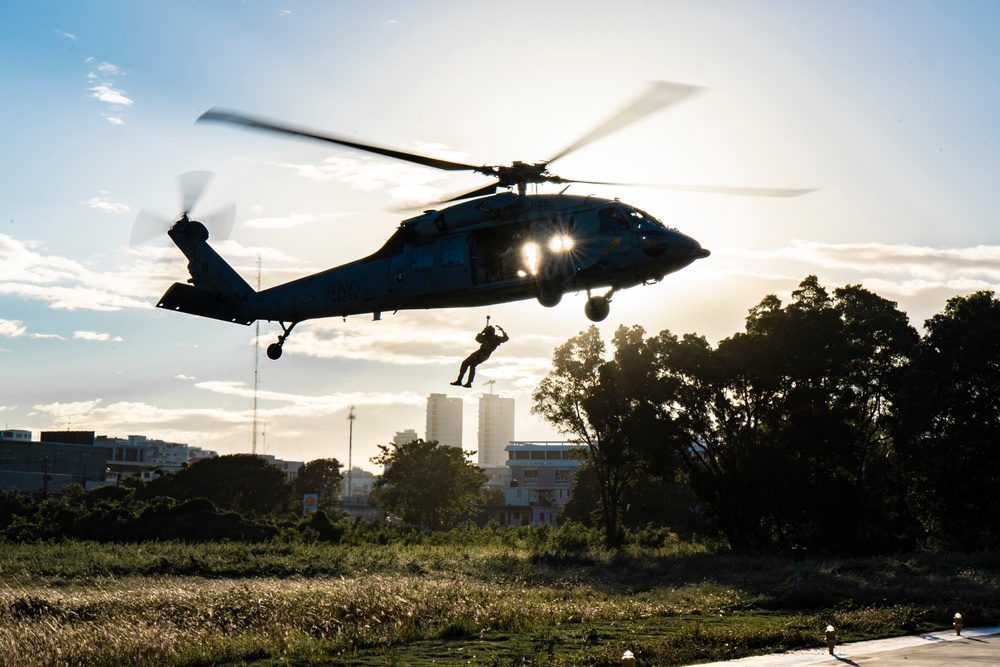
(45, 477)
(350, 446)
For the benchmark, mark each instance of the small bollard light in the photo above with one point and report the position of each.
(959, 623)
(628, 660)
(831, 638)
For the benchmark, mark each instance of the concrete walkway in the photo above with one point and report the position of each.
(976, 646)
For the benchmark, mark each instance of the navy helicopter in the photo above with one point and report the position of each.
(491, 247)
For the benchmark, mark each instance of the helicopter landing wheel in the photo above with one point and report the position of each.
(548, 294)
(597, 308)
(274, 349)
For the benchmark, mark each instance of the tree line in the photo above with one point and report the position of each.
(829, 422)
(236, 497)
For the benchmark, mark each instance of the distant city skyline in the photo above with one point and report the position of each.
(444, 421)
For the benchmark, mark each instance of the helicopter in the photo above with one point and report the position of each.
(496, 244)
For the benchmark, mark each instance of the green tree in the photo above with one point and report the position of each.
(428, 484)
(322, 476)
(242, 483)
(948, 425)
(608, 406)
(786, 422)
(651, 500)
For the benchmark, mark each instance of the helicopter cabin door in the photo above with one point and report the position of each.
(439, 266)
(454, 272)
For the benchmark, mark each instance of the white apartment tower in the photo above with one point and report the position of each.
(496, 429)
(444, 420)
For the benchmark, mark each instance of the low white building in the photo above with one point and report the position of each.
(541, 481)
(291, 468)
(356, 485)
(16, 435)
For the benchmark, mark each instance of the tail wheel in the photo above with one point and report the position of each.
(274, 351)
(597, 308)
(548, 293)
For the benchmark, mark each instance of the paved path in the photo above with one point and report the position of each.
(976, 646)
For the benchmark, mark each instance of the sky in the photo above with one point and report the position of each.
(888, 109)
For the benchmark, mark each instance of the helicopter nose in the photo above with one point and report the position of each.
(696, 252)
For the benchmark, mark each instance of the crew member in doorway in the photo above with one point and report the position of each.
(488, 342)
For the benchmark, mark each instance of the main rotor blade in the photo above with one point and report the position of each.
(250, 122)
(660, 94)
(479, 192)
(490, 189)
(193, 184)
(711, 189)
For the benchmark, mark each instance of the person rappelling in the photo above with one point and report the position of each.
(488, 342)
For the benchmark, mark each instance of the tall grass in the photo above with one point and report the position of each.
(301, 603)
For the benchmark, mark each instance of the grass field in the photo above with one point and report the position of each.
(318, 604)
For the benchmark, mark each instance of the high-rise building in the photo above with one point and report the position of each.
(444, 420)
(496, 429)
(403, 437)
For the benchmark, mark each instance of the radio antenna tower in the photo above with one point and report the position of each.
(256, 364)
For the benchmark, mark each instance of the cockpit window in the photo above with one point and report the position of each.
(642, 220)
(612, 220)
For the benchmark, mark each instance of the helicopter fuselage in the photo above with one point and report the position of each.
(484, 251)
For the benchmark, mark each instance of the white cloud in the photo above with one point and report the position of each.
(370, 174)
(16, 329)
(12, 328)
(306, 405)
(95, 336)
(105, 91)
(418, 339)
(109, 69)
(105, 202)
(293, 220)
(65, 284)
(202, 426)
(108, 95)
(404, 339)
(880, 258)
(60, 411)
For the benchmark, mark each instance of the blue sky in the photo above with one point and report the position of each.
(888, 108)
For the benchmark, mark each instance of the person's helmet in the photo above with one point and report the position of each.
(490, 330)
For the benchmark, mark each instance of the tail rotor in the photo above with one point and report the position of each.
(150, 224)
